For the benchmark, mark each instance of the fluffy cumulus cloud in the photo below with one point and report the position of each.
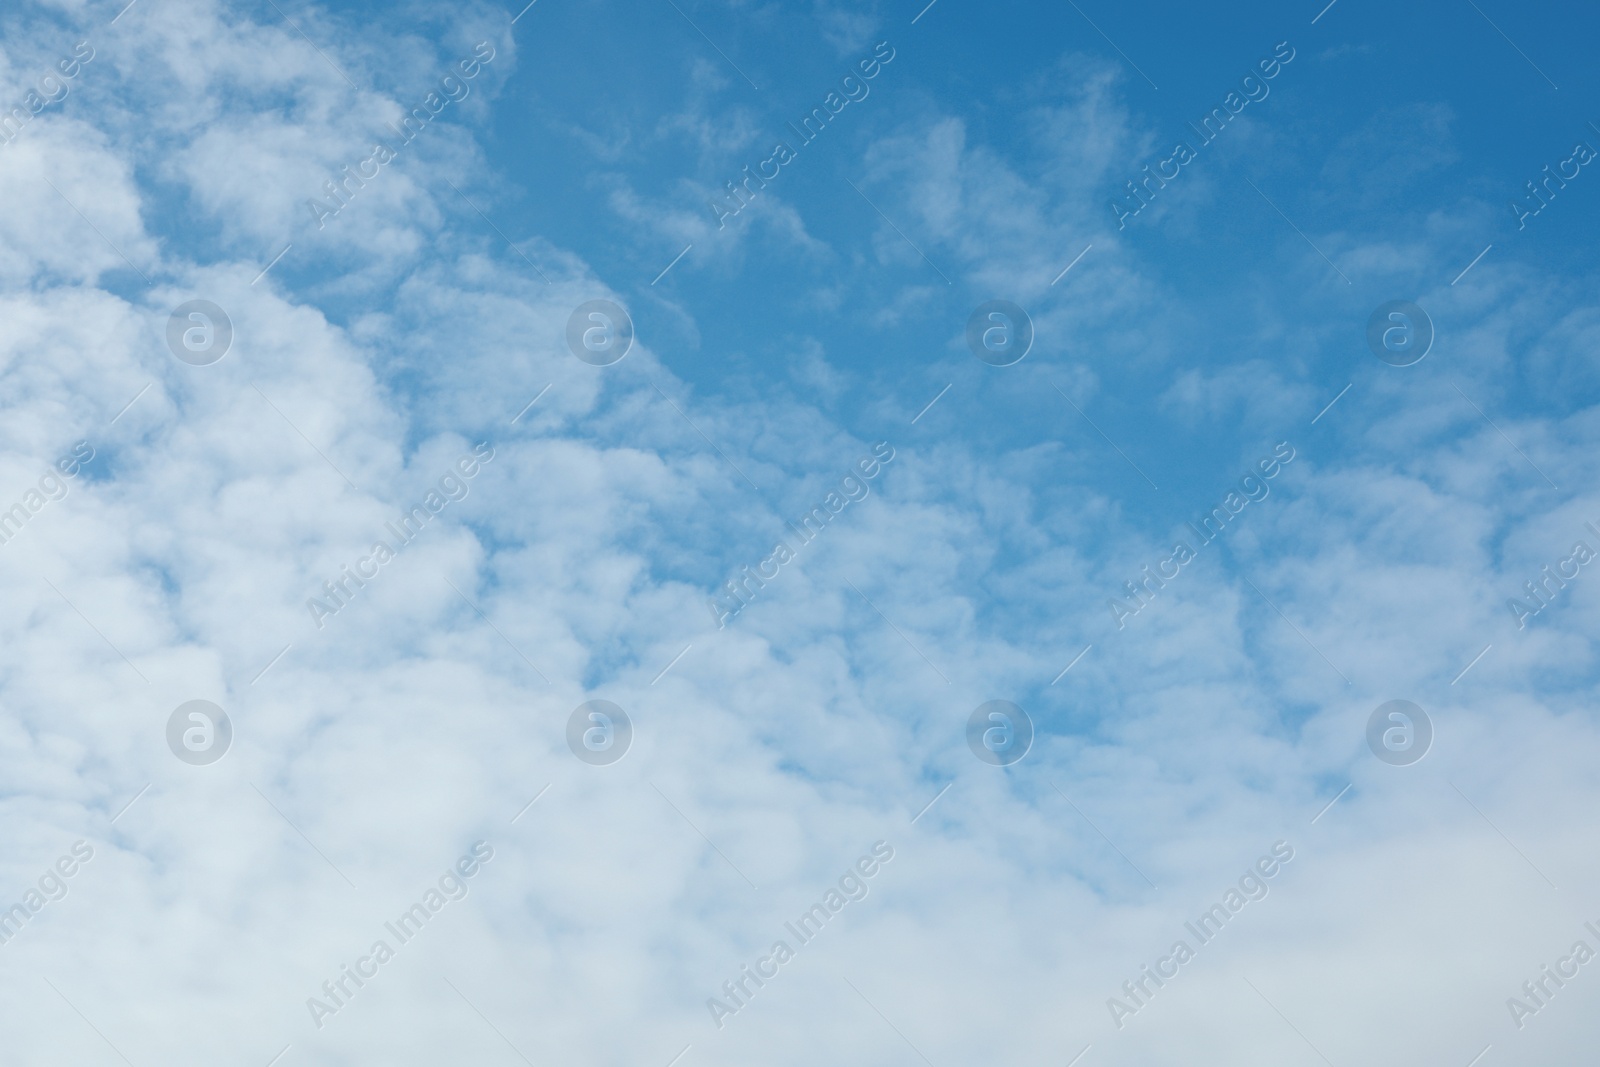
(398, 533)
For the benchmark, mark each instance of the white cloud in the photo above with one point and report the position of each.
(381, 745)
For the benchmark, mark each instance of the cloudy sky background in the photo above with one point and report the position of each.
(823, 319)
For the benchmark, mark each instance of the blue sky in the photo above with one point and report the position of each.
(1393, 515)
